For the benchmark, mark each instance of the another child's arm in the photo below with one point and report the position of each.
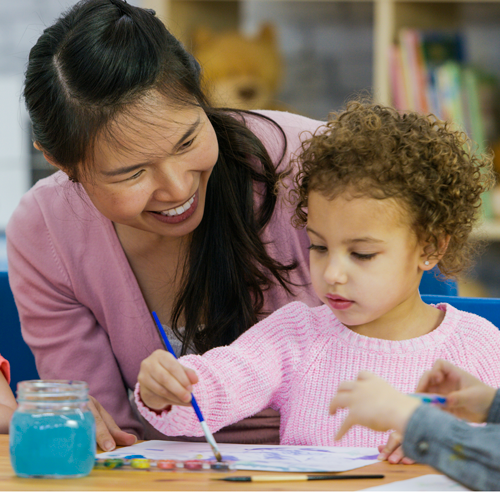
(7, 404)
(466, 396)
(471, 455)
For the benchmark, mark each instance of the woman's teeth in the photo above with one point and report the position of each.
(179, 210)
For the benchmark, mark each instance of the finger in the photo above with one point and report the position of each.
(456, 399)
(346, 425)
(366, 375)
(168, 386)
(102, 434)
(441, 370)
(157, 397)
(338, 402)
(161, 382)
(171, 365)
(154, 393)
(346, 385)
(392, 444)
(121, 437)
(192, 376)
(423, 383)
(396, 456)
(407, 461)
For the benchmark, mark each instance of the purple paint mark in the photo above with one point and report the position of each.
(367, 457)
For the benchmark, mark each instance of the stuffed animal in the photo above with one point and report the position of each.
(239, 71)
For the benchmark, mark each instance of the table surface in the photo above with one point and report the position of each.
(115, 480)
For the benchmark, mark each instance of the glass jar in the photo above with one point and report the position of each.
(52, 432)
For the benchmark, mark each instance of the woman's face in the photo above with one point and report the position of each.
(152, 174)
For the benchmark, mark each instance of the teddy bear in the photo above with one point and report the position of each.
(239, 71)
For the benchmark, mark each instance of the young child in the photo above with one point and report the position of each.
(470, 455)
(384, 197)
(7, 401)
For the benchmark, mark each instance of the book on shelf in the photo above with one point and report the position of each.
(429, 73)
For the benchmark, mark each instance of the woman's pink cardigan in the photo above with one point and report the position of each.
(82, 312)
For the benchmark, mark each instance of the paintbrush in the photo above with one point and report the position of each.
(208, 435)
(297, 477)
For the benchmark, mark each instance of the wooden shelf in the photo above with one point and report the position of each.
(489, 230)
(181, 16)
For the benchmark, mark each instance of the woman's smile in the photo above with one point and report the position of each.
(178, 214)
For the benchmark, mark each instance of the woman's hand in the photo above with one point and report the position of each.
(374, 403)
(466, 396)
(108, 434)
(163, 381)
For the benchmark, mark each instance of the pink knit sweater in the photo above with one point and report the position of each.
(294, 360)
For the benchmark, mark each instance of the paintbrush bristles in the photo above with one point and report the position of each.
(211, 441)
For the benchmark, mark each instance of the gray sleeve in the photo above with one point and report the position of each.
(494, 413)
(467, 454)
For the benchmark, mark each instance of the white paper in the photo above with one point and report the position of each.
(429, 482)
(257, 457)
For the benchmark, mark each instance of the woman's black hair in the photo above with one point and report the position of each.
(98, 59)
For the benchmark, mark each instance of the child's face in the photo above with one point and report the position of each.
(366, 262)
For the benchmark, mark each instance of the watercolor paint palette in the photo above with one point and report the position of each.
(140, 463)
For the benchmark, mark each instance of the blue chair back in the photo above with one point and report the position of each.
(432, 285)
(12, 346)
(488, 308)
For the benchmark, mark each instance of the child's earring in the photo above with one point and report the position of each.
(426, 263)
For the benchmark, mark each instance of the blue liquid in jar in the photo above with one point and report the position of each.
(52, 444)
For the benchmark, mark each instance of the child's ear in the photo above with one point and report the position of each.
(431, 256)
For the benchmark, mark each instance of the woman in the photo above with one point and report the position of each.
(161, 203)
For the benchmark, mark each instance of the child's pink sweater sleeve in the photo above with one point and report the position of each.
(239, 380)
(5, 368)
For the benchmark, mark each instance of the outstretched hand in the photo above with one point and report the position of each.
(466, 396)
(374, 403)
(163, 381)
(108, 434)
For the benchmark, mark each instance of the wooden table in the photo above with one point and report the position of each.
(115, 480)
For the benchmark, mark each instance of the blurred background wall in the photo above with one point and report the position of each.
(329, 51)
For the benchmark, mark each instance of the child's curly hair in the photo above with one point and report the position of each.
(373, 150)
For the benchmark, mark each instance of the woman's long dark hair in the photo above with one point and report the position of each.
(97, 60)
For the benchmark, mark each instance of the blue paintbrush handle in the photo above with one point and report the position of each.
(208, 435)
(171, 351)
(196, 409)
(164, 335)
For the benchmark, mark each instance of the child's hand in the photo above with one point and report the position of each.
(374, 403)
(392, 451)
(466, 396)
(164, 381)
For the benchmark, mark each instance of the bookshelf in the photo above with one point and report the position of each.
(388, 18)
